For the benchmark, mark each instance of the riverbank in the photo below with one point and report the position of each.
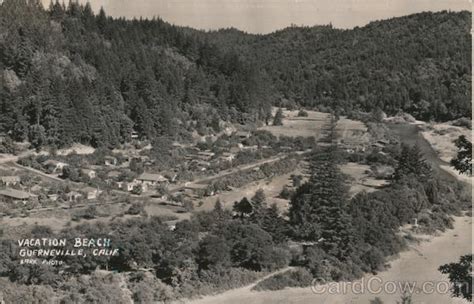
(416, 266)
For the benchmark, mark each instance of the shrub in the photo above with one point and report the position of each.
(135, 209)
(87, 214)
(373, 259)
(286, 193)
(278, 118)
(302, 113)
(220, 279)
(137, 190)
(463, 122)
(188, 205)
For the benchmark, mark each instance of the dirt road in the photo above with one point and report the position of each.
(205, 180)
(417, 265)
(234, 293)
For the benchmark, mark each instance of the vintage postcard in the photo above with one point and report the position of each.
(235, 151)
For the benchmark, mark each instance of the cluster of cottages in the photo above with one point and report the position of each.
(11, 192)
(196, 160)
(357, 145)
(202, 160)
(56, 167)
(147, 181)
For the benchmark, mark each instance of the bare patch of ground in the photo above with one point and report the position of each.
(316, 124)
(77, 148)
(157, 209)
(441, 137)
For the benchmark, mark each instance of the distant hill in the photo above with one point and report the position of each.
(420, 64)
(69, 75)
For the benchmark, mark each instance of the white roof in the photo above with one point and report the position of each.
(152, 177)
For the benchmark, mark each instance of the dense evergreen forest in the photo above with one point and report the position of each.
(70, 75)
(420, 64)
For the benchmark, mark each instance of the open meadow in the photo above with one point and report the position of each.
(315, 124)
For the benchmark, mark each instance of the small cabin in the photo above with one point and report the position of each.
(242, 134)
(89, 173)
(110, 161)
(73, 196)
(54, 166)
(91, 193)
(197, 189)
(205, 155)
(10, 180)
(15, 196)
(150, 179)
(227, 156)
(134, 135)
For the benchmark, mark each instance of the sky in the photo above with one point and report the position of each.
(264, 16)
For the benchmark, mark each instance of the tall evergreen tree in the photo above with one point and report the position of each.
(318, 209)
(243, 207)
(278, 118)
(412, 162)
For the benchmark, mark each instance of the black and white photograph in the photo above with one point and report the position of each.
(236, 152)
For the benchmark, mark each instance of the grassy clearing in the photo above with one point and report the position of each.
(352, 131)
(311, 125)
(59, 219)
(360, 179)
(271, 188)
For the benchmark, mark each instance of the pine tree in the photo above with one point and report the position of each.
(412, 162)
(36, 136)
(405, 299)
(259, 200)
(269, 220)
(318, 209)
(243, 208)
(218, 206)
(278, 119)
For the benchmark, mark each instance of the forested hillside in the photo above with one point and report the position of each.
(420, 64)
(69, 75)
